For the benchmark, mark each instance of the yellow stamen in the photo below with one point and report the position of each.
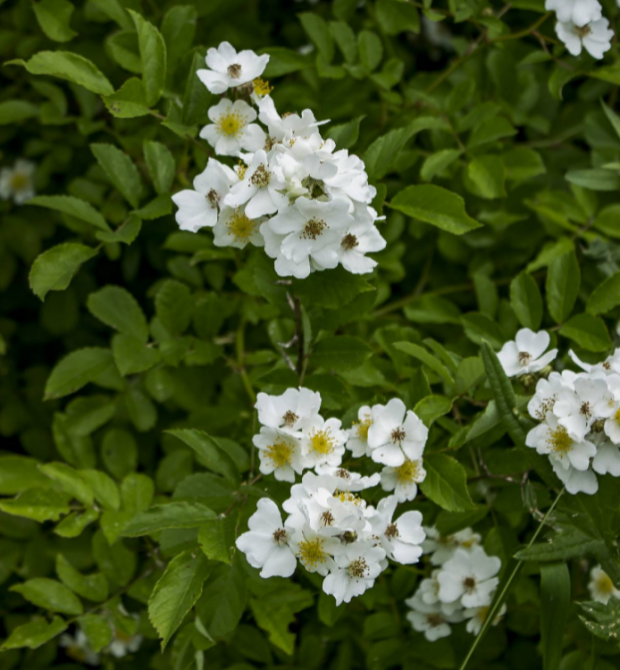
(322, 442)
(279, 453)
(559, 441)
(240, 227)
(19, 181)
(604, 583)
(240, 169)
(347, 496)
(311, 552)
(408, 472)
(231, 123)
(617, 416)
(261, 86)
(363, 427)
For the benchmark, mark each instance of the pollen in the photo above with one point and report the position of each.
(582, 31)
(617, 415)
(559, 441)
(241, 169)
(524, 358)
(435, 619)
(314, 228)
(234, 71)
(408, 472)
(280, 536)
(289, 418)
(343, 474)
(347, 496)
(604, 583)
(392, 531)
(261, 177)
(19, 181)
(231, 124)
(213, 198)
(398, 435)
(469, 584)
(349, 242)
(311, 553)
(261, 86)
(358, 569)
(327, 518)
(279, 453)
(240, 227)
(322, 442)
(363, 427)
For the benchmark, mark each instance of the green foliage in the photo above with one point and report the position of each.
(131, 353)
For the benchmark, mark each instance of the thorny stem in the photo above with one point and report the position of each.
(504, 592)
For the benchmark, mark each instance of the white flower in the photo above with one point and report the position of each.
(17, 182)
(279, 452)
(469, 576)
(351, 180)
(356, 569)
(358, 433)
(607, 459)
(260, 188)
(288, 127)
(311, 232)
(235, 229)
(323, 442)
(575, 481)
(232, 129)
(124, 644)
(360, 238)
(594, 37)
(293, 410)
(431, 619)
(396, 434)
(547, 391)
(345, 480)
(229, 69)
(577, 409)
(266, 543)
(552, 439)
(315, 550)
(578, 12)
(78, 648)
(402, 538)
(612, 424)
(609, 366)
(442, 548)
(199, 208)
(403, 480)
(524, 355)
(477, 616)
(601, 587)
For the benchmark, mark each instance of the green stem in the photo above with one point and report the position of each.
(504, 592)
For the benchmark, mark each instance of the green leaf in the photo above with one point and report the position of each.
(223, 601)
(432, 407)
(318, 31)
(12, 111)
(597, 179)
(70, 481)
(382, 153)
(395, 16)
(437, 206)
(117, 308)
(104, 488)
(35, 633)
(120, 170)
(50, 595)
(486, 174)
(370, 49)
(73, 524)
(217, 538)
(152, 56)
(446, 483)
(482, 328)
(522, 163)
(438, 162)
(603, 619)
(126, 233)
(129, 101)
(76, 370)
(427, 358)
(345, 39)
(39, 504)
(54, 269)
(563, 282)
(133, 356)
(589, 332)
(608, 221)
(92, 587)
(563, 546)
(469, 373)
(67, 204)
(208, 452)
(176, 592)
(116, 562)
(97, 629)
(69, 66)
(170, 515)
(526, 301)
(178, 29)
(54, 17)
(490, 131)
(605, 296)
(332, 289)
(554, 608)
(340, 353)
(346, 135)
(19, 473)
(282, 61)
(161, 165)
(173, 304)
(119, 452)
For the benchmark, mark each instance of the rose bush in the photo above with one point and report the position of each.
(308, 327)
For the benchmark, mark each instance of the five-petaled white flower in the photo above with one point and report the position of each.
(266, 544)
(293, 410)
(235, 229)
(356, 569)
(229, 69)
(469, 576)
(525, 354)
(17, 182)
(594, 37)
(404, 479)
(578, 12)
(601, 587)
(401, 539)
(232, 129)
(279, 452)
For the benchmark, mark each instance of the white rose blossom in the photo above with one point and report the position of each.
(525, 354)
(229, 69)
(601, 587)
(594, 37)
(17, 183)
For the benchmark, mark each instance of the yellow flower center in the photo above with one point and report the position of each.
(311, 552)
(604, 583)
(19, 181)
(231, 123)
(240, 227)
(617, 415)
(279, 453)
(261, 87)
(347, 496)
(363, 427)
(408, 472)
(559, 441)
(240, 169)
(322, 442)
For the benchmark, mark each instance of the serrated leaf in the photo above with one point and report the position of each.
(152, 56)
(54, 269)
(67, 204)
(427, 358)
(76, 370)
(38, 504)
(446, 483)
(50, 595)
(605, 297)
(588, 332)
(161, 165)
(92, 587)
(120, 170)
(117, 308)
(208, 452)
(526, 301)
(170, 515)
(217, 538)
(340, 353)
(35, 633)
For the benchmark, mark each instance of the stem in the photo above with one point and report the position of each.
(240, 348)
(504, 592)
(300, 364)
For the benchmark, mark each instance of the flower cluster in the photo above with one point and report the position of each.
(78, 647)
(17, 182)
(579, 429)
(460, 588)
(292, 192)
(330, 528)
(581, 25)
